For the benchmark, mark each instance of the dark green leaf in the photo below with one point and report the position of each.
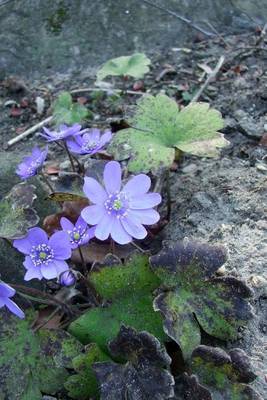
(128, 290)
(143, 377)
(218, 376)
(193, 296)
(16, 212)
(83, 385)
(31, 363)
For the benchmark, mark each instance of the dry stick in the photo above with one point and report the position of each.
(28, 131)
(180, 17)
(262, 35)
(209, 78)
(84, 90)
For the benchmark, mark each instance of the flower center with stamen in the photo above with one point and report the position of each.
(76, 235)
(41, 254)
(90, 145)
(117, 204)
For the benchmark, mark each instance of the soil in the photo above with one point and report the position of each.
(215, 200)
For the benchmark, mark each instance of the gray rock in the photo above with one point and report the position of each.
(248, 126)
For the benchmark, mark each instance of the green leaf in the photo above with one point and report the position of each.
(31, 363)
(83, 385)
(128, 290)
(144, 375)
(135, 65)
(158, 128)
(193, 296)
(16, 212)
(218, 375)
(67, 112)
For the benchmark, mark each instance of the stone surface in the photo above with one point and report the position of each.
(62, 35)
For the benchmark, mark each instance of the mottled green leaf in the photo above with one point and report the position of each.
(127, 290)
(67, 112)
(135, 65)
(83, 385)
(31, 363)
(16, 212)
(144, 376)
(193, 296)
(218, 376)
(159, 127)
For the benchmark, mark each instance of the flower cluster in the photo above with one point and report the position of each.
(116, 210)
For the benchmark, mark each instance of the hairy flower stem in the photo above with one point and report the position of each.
(138, 247)
(82, 261)
(38, 293)
(91, 288)
(70, 157)
(168, 190)
(46, 181)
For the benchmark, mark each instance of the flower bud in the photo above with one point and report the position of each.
(67, 278)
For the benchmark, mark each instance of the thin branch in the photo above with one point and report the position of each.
(120, 91)
(211, 76)
(28, 131)
(180, 17)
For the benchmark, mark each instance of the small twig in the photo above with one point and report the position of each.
(217, 33)
(28, 131)
(120, 91)
(210, 77)
(180, 17)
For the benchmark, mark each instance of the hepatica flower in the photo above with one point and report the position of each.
(90, 142)
(31, 164)
(62, 133)
(44, 257)
(120, 211)
(5, 293)
(79, 234)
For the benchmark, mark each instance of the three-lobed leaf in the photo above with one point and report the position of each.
(65, 111)
(192, 296)
(16, 212)
(144, 376)
(136, 65)
(33, 363)
(128, 292)
(159, 127)
(218, 375)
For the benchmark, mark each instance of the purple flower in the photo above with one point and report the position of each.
(90, 142)
(31, 164)
(67, 278)
(44, 257)
(120, 212)
(63, 132)
(79, 234)
(5, 293)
